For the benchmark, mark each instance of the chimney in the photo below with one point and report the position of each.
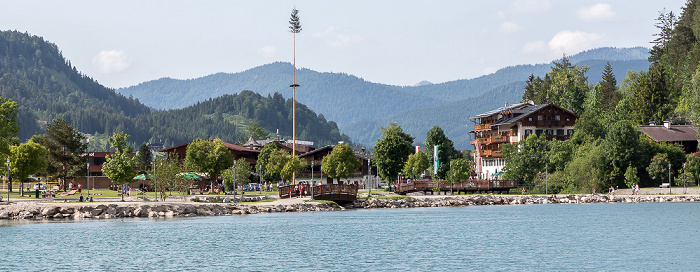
(667, 124)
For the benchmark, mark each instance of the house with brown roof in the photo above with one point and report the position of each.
(685, 135)
(513, 123)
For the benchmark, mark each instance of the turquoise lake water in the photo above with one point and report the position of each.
(580, 237)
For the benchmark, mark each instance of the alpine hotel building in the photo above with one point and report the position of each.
(511, 124)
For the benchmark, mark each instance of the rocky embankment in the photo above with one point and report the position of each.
(31, 210)
(457, 201)
(120, 210)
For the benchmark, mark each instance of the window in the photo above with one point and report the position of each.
(550, 132)
(551, 118)
(514, 132)
(568, 119)
(560, 132)
(569, 132)
(538, 131)
(539, 117)
(557, 118)
(528, 132)
(529, 119)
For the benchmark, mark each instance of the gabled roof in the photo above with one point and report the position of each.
(504, 108)
(676, 133)
(525, 112)
(228, 145)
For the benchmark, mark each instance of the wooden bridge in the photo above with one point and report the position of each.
(403, 187)
(333, 192)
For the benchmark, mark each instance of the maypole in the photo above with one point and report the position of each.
(294, 27)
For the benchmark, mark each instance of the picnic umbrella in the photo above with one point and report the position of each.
(191, 176)
(142, 177)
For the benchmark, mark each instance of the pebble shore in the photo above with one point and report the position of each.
(45, 211)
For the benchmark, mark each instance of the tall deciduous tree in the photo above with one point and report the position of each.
(658, 168)
(65, 147)
(693, 165)
(623, 148)
(167, 175)
(9, 128)
(461, 169)
(264, 160)
(417, 163)
(236, 175)
(569, 85)
(210, 157)
(341, 163)
(436, 137)
(525, 159)
(27, 159)
(392, 151)
(120, 166)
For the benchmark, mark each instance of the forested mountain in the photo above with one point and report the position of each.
(46, 86)
(35, 75)
(355, 103)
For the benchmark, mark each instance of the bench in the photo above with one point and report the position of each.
(664, 185)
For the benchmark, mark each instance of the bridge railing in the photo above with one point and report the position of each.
(466, 185)
(326, 189)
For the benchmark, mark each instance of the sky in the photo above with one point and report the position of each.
(126, 42)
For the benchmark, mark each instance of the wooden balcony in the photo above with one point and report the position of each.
(482, 127)
(499, 140)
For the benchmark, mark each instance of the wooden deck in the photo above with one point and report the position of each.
(427, 185)
(333, 192)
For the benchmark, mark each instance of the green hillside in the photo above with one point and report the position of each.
(46, 86)
(358, 106)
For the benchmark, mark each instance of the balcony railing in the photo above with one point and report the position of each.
(482, 127)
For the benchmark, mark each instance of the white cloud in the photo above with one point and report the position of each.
(509, 27)
(571, 42)
(111, 61)
(530, 6)
(337, 40)
(267, 51)
(535, 47)
(597, 12)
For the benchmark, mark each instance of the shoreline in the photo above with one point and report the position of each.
(104, 210)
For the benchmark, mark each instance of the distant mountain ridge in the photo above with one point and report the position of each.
(353, 102)
(46, 86)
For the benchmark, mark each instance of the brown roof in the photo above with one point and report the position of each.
(676, 133)
(228, 145)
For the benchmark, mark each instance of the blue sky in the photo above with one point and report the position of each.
(126, 42)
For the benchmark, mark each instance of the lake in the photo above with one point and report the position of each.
(571, 237)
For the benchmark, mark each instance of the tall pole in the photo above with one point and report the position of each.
(88, 179)
(312, 179)
(8, 180)
(295, 27)
(155, 178)
(546, 184)
(451, 181)
(234, 182)
(369, 176)
(669, 178)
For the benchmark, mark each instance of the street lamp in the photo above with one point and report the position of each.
(312, 179)
(234, 182)
(546, 184)
(88, 179)
(155, 178)
(369, 175)
(669, 178)
(8, 180)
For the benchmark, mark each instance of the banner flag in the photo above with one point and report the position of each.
(436, 161)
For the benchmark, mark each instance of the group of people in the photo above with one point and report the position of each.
(635, 189)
